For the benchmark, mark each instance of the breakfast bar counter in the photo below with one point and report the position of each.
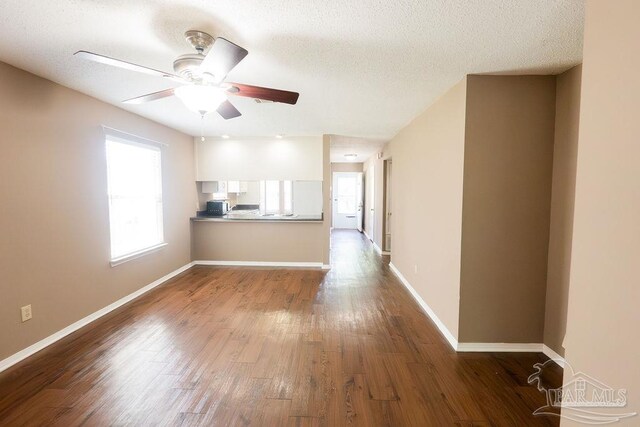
(260, 240)
(258, 218)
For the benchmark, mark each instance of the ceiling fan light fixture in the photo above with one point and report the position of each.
(201, 99)
(203, 73)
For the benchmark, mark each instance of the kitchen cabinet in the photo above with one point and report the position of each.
(224, 187)
(237, 186)
(213, 186)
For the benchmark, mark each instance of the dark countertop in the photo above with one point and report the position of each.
(253, 217)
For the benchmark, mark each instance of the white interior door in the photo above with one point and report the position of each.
(387, 224)
(360, 201)
(345, 200)
(371, 192)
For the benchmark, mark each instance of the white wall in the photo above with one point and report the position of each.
(255, 159)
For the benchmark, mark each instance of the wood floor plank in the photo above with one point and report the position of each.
(272, 347)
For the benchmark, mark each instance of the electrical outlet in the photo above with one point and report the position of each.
(26, 312)
(415, 268)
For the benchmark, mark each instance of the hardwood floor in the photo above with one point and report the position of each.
(237, 346)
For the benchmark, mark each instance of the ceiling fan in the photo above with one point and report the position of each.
(202, 74)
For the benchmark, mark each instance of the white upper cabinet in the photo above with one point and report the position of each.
(255, 159)
(237, 186)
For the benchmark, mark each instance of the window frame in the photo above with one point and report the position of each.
(115, 136)
(283, 209)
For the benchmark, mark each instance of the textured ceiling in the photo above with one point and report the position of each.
(363, 148)
(363, 68)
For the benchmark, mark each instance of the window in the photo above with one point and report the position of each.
(287, 197)
(347, 195)
(134, 180)
(272, 197)
(276, 197)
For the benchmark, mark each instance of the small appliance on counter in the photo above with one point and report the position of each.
(217, 208)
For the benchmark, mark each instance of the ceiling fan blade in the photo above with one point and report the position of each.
(221, 59)
(264, 93)
(150, 97)
(228, 111)
(124, 64)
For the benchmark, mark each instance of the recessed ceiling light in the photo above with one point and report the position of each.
(279, 136)
(351, 155)
(225, 136)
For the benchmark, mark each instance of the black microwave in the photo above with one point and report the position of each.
(217, 208)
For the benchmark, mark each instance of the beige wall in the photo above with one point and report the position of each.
(604, 293)
(54, 213)
(346, 167)
(258, 241)
(565, 155)
(472, 203)
(508, 160)
(428, 158)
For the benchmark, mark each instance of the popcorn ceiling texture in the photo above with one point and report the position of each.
(364, 68)
(362, 147)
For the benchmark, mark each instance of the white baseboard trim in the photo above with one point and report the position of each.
(326, 267)
(379, 250)
(262, 264)
(443, 329)
(553, 355)
(465, 346)
(499, 347)
(34, 348)
(365, 233)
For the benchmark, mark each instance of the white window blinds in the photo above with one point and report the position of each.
(135, 196)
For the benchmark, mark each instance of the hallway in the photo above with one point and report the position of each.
(254, 346)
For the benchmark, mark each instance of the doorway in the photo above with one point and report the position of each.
(347, 200)
(386, 221)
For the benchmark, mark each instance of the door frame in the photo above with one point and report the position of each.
(334, 204)
(386, 209)
(360, 188)
(370, 197)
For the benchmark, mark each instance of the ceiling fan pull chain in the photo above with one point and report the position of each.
(202, 113)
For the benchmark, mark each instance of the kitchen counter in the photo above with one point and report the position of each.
(253, 217)
(245, 238)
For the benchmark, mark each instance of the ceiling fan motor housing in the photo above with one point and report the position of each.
(188, 65)
(200, 40)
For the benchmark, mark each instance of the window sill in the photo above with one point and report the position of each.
(125, 258)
